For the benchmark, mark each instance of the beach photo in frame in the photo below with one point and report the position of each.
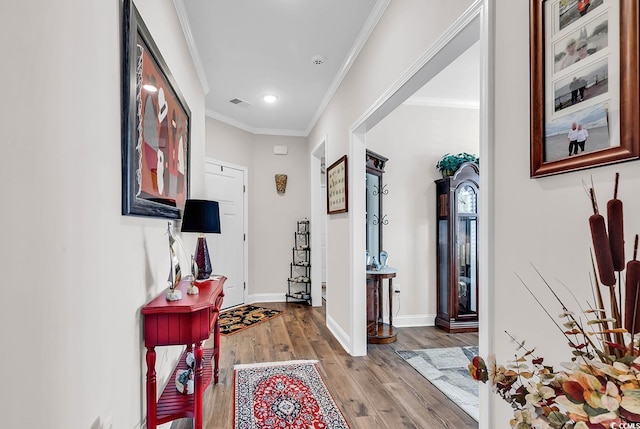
(337, 187)
(155, 127)
(585, 99)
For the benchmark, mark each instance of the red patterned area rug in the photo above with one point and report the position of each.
(288, 394)
(238, 319)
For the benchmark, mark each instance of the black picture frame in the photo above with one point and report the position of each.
(156, 127)
(552, 28)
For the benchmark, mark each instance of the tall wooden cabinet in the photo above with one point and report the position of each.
(457, 250)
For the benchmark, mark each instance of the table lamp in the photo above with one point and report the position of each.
(203, 217)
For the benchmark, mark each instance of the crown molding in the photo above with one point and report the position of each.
(191, 44)
(253, 130)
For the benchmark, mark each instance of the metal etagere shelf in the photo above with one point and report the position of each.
(299, 281)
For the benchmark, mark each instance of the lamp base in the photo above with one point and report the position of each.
(202, 259)
(193, 290)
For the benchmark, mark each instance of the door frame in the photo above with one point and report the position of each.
(463, 33)
(245, 217)
(317, 215)
(476, 23)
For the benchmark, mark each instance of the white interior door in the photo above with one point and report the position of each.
(227, 186)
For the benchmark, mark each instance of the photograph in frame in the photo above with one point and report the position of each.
(582, 85)
(609, 30)
(569, 11)
(589, 39)
(593, 120)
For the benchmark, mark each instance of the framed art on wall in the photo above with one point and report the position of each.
(337, 187)
(585, 101)
(155, 127)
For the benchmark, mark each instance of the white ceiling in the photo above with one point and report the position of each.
(457, 85)
(245, 49)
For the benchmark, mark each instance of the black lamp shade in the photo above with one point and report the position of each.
(201, 216)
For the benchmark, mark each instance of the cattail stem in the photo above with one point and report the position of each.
(594, 202)
(606, 338)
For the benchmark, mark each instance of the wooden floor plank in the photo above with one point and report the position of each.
(378, 391)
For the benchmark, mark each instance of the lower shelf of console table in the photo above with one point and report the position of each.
(174, 405)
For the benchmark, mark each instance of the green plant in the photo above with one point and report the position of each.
(449, 163)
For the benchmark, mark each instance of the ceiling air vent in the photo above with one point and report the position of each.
(239, 102)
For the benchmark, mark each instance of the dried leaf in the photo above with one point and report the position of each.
(610, 331)
(600, 321)
(558, 419)
(574, 391)
(615, 345)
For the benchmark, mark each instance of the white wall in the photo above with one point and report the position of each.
(540, 221)
(227, 143)
(407, 30)
(414, 138)
(272, 217)
(76, 272)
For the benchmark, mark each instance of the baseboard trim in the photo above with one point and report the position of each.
(266, 297)
(339, 334)
(406, 321)
(413, 321)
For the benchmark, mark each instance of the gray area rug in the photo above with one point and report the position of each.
(446, 368)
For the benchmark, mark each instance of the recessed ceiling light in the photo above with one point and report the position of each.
(150, 88)
(270, 98)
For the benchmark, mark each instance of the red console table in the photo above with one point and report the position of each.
(186, 322)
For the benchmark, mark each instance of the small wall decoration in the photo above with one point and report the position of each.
(337, 187)
(281, 183)
(155, 127)
(585, 95)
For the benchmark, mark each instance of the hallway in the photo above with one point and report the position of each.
(377, 391)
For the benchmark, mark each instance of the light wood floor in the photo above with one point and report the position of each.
(377, 391)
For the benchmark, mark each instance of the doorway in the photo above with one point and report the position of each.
(225, 183)
(318, 223)
(462, 35)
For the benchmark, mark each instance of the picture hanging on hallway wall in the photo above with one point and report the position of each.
(585, 97)
(155, 127)
(337, 189)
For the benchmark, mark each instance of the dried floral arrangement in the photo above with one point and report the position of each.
(600, 387)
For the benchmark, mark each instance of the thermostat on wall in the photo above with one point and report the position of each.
(280, 150)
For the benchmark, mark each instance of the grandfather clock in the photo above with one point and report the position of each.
(457, 250)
